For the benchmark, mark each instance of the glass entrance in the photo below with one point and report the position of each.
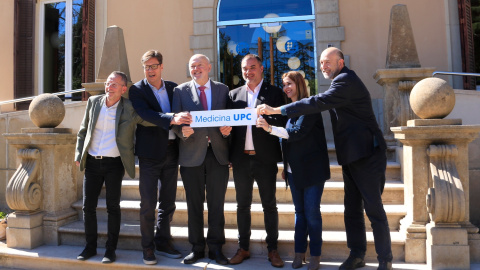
(283, 37)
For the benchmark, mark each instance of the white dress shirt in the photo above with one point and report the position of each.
(282, 133)
(251, 98)
(103, 136)
(162, 97)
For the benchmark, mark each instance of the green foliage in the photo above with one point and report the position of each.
(3, 215)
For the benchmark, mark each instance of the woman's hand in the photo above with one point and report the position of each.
(262, 123)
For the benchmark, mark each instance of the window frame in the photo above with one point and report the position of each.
(68, 43)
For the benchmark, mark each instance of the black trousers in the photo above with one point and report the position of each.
(364, 182)
(98, 171)
(210, 177)
(158, 184)
(246, 171)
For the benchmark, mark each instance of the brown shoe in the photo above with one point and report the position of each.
(275, 259)
(240, 256)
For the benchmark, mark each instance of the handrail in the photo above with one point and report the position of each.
(455, 73)
(31, 98)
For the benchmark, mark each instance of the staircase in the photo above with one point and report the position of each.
(129, 255)
(334, 239)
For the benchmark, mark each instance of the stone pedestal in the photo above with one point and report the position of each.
(25, 230)
(397, 84)
(447, 247)
(54, 180)
(417, 137)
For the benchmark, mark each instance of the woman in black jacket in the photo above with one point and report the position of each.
(306, 167)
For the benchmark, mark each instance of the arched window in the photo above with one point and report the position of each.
(281, 32)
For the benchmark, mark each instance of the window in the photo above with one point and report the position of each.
(281, 32)
(60, 58)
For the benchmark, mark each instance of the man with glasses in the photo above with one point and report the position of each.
(105, 150)
(157, 151)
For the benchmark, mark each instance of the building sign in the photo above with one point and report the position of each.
(218, 118)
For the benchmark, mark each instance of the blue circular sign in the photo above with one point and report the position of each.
(291, 46)
(243, 48)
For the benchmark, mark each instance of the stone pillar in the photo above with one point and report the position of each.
(114, 58)
(417, 137)
(446, 239)
(43, 188)
(55, 184)
(402, 71)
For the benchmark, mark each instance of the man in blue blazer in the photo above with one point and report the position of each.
(360, 150)
(157, 151)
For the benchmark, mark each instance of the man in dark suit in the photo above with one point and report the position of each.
(360, 150)
(254, 156)
(157, 151)
(203, 160)
(105, 150)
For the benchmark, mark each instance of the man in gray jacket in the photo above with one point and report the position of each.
(203, 159)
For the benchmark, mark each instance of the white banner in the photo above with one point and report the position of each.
(218, 118)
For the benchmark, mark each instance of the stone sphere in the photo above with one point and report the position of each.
(46, 111)
(432, 98)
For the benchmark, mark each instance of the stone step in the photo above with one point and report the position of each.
(392, 173)
(332, 214)
(64, 257)
(334, 242)
(332, 194)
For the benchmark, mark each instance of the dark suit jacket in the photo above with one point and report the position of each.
(194, 148)
(306, 151)
(151, 142)
(125, 121)
(266, 146)
(355, 128)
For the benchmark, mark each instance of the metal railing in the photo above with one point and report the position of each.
(32, 97)
(455, 73)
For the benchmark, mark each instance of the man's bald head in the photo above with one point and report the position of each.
(331, 62)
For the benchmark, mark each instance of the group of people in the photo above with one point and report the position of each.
(153, 124)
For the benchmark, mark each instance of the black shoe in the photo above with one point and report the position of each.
(352, 263)
(110, 256)
(193, 257)
(384, 266)
(218, 256)
(168, 250)
(149, 256)
(86, 254)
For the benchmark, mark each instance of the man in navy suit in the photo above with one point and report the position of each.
(254, 155)
(157, 151)
(360, 150)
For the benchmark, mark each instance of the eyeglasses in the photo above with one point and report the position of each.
(152, 67)
(113, 85)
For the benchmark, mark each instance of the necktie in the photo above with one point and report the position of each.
(203, 97)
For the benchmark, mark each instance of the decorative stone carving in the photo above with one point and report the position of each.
(446, 200)
(46, 111)
(23, 191)
(432, 98)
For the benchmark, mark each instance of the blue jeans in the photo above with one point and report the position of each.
(308, 219)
